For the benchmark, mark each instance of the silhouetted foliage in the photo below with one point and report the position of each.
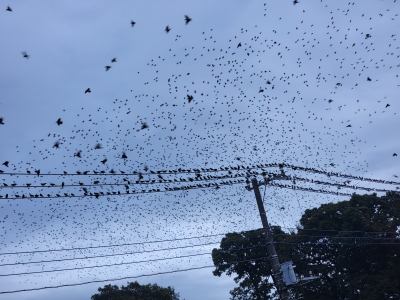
(135, 291)
(348, 244)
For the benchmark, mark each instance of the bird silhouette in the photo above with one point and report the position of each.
(59, 122)
(133, 23)
(25, 55)
(88, 90)
(167, 29)
(114, 60)
(9, 8)
(187, 19)
(108, 68)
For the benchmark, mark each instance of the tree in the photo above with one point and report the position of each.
(353, 246)
(245, 255)
(135, 291)
(356, 258)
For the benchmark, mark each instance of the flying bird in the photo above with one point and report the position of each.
(8, 8)
(88, 90)
(167, 29)
(5, 163)
(78, 153)
(25, 55)
(108, 68)
(59, 122)
(394, 154)
(114, 60)
(1, 121)
(190, 98)
(187, 19)
(133, 23)
(387, 105)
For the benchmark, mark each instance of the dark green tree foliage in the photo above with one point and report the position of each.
(361, 264)
(352, 265)
(253, 272)
(135, 291)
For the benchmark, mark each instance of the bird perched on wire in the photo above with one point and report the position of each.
(187, 19)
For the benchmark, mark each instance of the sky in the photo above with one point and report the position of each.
(167, 137)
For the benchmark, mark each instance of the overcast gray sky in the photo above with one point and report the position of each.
(312, 85)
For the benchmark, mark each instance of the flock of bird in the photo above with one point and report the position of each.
(286, 97)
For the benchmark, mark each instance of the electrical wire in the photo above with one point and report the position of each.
(109, 246)
(232, 249)
(222, 169)
(102, 266)
(123, 278)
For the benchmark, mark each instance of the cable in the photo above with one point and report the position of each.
(123, 278)
(197, 237)
(102, 194)
(210, 185)
(222, 169)
(105, 255)
(231, 241)
(101, 266)
(127, 182)
(109, 246)
(174, 271)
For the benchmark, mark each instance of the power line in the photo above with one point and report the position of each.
(213, 243)
(199, 237)
(192, 187)
(183, 270)
(109, 246)
(102, 266)
(106, 255)
(123, 278)
(221, 169)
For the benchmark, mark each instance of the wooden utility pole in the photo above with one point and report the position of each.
(273, 257)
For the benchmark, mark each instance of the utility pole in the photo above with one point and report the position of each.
(273, 257)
